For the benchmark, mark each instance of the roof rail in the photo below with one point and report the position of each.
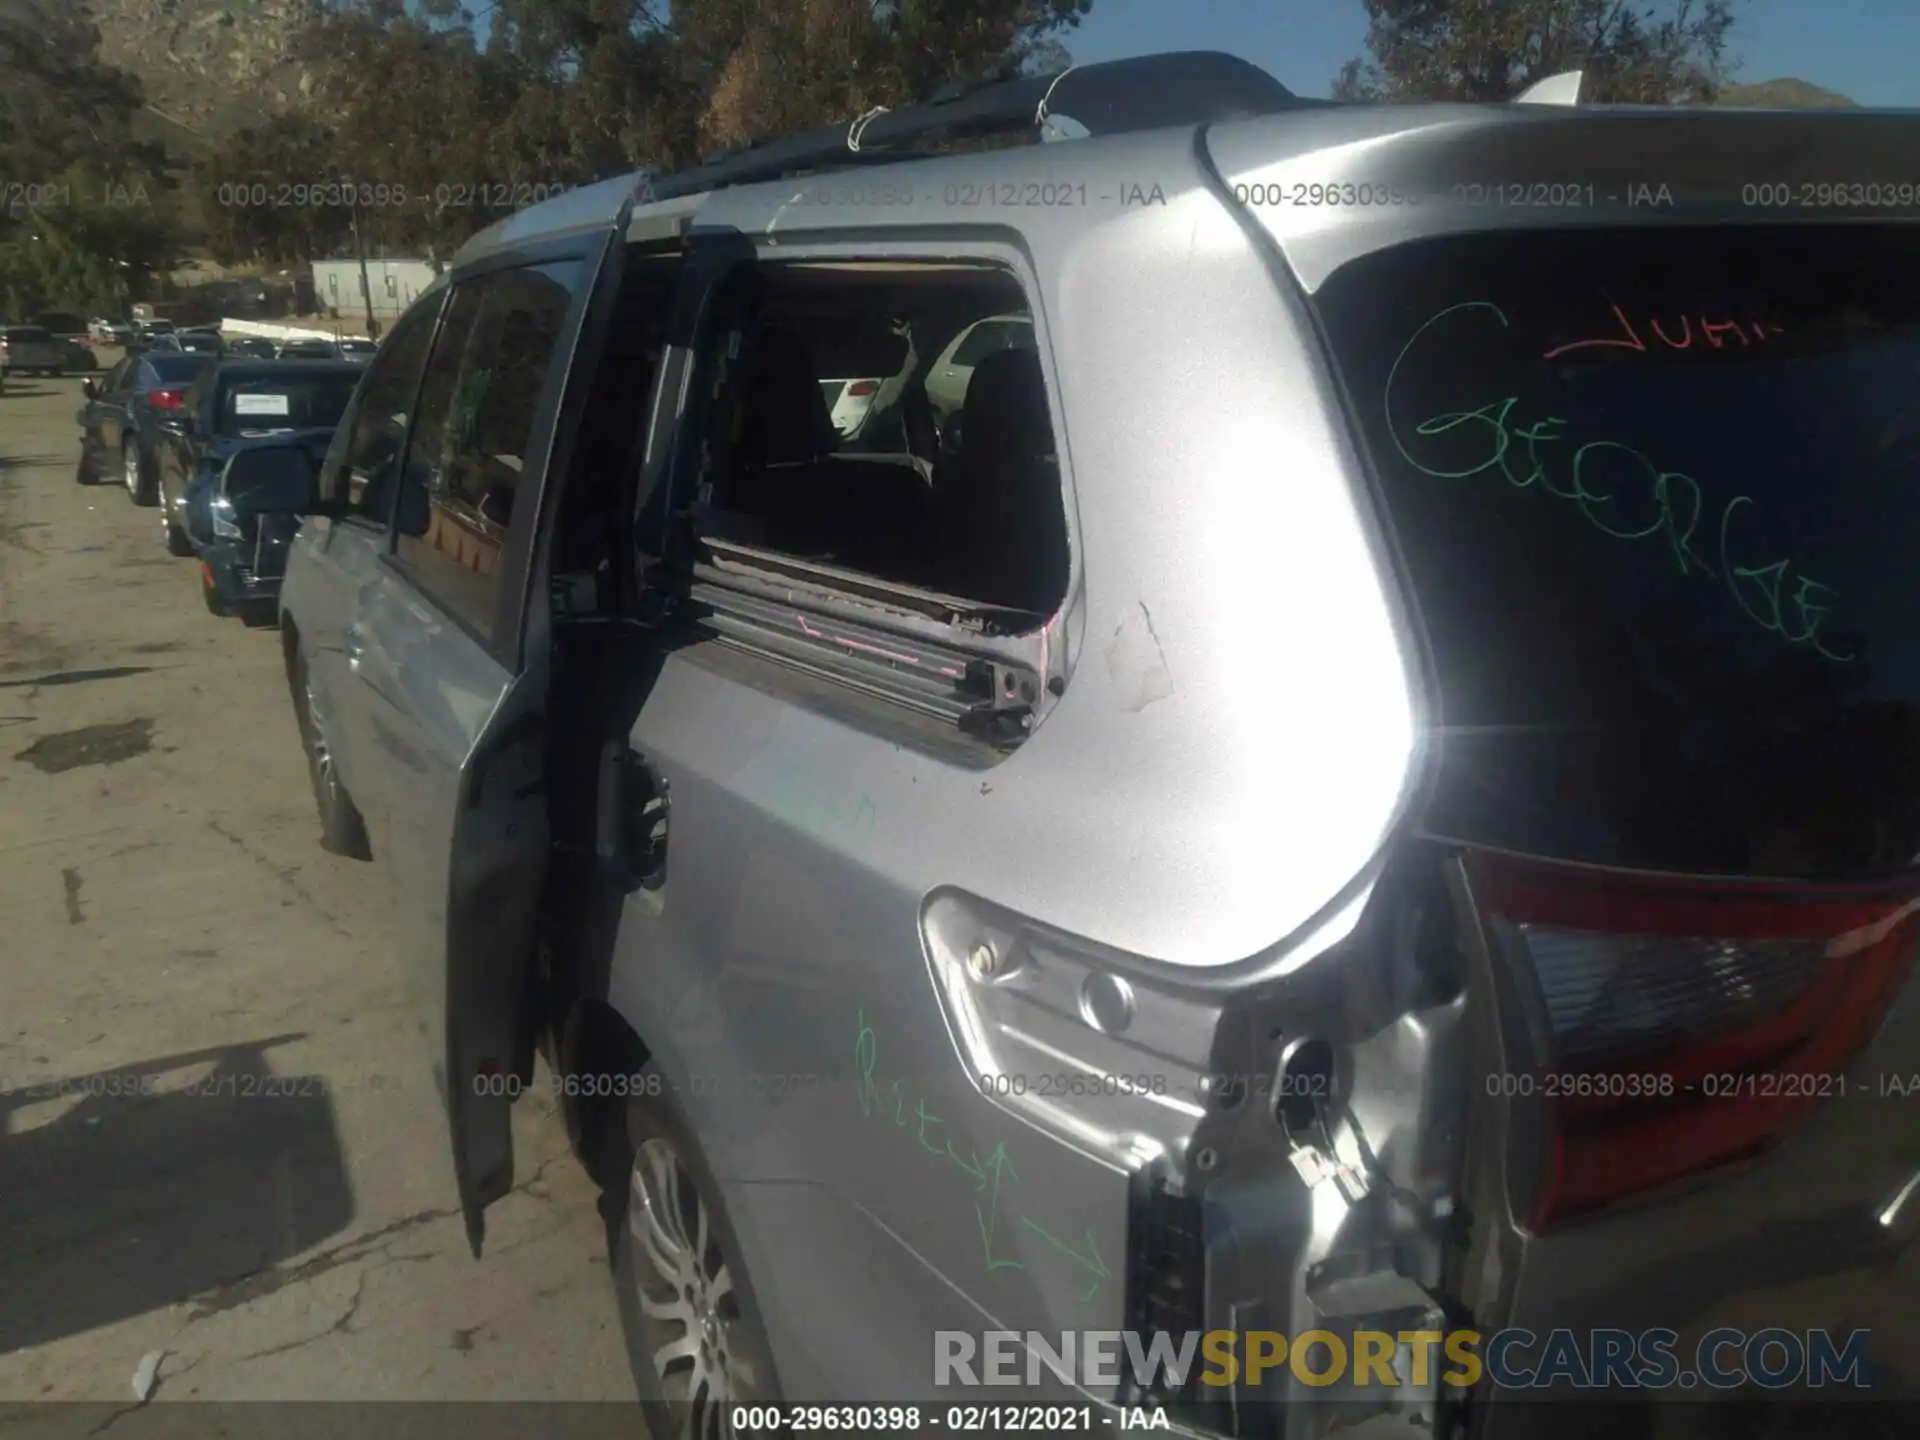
(1561, 89)
(1192, 87)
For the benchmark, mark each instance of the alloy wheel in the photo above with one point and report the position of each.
(690, 1311)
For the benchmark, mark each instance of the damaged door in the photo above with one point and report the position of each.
(459, 695)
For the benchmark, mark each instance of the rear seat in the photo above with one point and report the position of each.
(790, 488)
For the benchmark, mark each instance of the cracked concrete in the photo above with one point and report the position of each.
(219, 1136)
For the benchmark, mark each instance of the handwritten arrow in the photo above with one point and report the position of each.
(989, 1214)
(1090, 1261)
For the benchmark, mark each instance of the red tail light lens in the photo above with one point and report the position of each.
(168, 399)
(863, 387)
(1675, 1025)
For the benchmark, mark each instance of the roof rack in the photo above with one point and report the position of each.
(1149, 92)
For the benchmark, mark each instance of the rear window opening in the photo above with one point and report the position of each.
(1653, 492)
(844, 437)
(251, 406)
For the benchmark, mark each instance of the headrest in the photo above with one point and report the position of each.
(785, 416)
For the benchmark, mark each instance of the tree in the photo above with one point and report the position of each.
(273, 192)
(566, 92)
(1661, 52)
(90, 213)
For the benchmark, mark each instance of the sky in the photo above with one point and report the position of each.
(1868, 50)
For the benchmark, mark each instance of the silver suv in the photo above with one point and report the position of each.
(1366, 793)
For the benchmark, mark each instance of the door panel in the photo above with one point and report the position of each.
(778, 977)
(429, 693)
(453, 726)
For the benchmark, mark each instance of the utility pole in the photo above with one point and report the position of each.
(360, 252)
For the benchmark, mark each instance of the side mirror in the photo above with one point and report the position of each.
(272, 479)
(90, 389)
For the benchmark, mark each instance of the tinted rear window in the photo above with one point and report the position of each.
(278, 403)
(991, 336)
(171, 368)
(1652, 491)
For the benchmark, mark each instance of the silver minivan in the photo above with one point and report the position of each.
(1364, 794)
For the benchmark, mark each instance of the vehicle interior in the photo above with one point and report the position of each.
(979, 517)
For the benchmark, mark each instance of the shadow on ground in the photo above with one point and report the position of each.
(123, 1191)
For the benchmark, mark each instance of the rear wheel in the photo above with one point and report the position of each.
(177, 541)
(84, 473)
(342, 831)
(694, 1340)
(138, 473)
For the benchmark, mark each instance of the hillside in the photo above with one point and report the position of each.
(1782, 95)
(206, 65)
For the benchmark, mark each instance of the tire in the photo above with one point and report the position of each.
(137, 473)
(342, 831)
(177, 542)
(84, 473)
(670, 1289)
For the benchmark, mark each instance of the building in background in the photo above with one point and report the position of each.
(394, 285)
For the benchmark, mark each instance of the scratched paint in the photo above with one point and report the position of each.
(993, 1179)
(809, 808)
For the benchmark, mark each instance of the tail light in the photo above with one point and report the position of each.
(1674, 1021)
(863, 387)
(168, 399)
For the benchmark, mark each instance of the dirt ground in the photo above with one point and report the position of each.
(219, 1139)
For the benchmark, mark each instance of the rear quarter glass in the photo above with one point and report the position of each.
(1654, 494)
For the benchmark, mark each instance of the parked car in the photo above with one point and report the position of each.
(848, 402)
(149, 329)
(240, 538)
(199, 342)
(60, 324)
(119, 423)
(357, 350)
(110, 332)
(76, 355)
(28, 349)
(251, 347)
(948, 378)
(231, 402)
(1385, 737)
(308, 350)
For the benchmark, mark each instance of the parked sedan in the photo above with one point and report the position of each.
(308, 350)
(26, 348)
(110, 332)
(233, 402)
(360, 351)
(200, 342)
(947, 380)
(243, 546)
(75, 355)
(120, 423)
(251, 347)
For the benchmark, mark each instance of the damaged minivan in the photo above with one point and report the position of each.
(1359, 774)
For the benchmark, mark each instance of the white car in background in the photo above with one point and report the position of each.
(850, 402)
(947, 381)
